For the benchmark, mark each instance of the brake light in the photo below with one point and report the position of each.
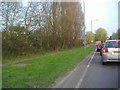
(105, 50)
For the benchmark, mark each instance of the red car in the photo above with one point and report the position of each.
(98, 42)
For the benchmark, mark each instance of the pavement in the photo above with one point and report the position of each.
(90, 73)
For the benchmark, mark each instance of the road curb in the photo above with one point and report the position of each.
(61, 79)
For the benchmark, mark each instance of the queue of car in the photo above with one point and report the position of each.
(109, 51)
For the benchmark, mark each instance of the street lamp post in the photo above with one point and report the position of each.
(84, 22)
(92, 24)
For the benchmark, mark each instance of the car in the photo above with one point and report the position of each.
(97, 42)
(111, 51)
(101, 46)
(98, 47)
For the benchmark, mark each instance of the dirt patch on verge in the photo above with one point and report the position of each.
(30, 58)
(15, 65)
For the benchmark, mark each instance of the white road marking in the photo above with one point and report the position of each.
(84, 73)
(57, 86)
(63, 80)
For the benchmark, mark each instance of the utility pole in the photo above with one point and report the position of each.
(92, 24)
(84, 22)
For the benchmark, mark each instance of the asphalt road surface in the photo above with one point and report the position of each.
(90, 73)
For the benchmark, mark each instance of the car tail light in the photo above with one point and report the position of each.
(105, 50)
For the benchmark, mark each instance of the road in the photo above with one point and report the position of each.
(90, 73)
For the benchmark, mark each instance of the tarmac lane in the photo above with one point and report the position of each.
(90, 73)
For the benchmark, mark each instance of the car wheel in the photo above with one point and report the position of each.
(103, 63)
(97, 50)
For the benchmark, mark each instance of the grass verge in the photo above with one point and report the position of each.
(41, 72)
(12, 58)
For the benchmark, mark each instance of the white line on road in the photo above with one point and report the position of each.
(57, 86)
(84, 73)
(63, 80)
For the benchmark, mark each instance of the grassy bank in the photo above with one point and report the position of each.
(41, 72)
(12, 57)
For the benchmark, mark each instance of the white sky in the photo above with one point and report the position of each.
(104, 10)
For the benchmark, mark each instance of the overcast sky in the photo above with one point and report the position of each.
(104, 10)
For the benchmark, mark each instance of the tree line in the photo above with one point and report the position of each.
(100, 35)
(116, 35)
(40, 26)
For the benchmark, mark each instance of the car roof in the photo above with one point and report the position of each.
(112, 40)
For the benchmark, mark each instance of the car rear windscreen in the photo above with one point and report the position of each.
(112, 44)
